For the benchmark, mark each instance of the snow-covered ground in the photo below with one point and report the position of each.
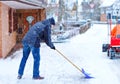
(84, 50)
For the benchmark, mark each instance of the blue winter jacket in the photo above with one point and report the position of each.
(40, 31)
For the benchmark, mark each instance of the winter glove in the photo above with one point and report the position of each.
(53, 47)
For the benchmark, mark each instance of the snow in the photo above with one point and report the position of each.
(108, 3)
(84, 50)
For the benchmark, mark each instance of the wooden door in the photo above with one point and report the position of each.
(23, 24)
(26, 23)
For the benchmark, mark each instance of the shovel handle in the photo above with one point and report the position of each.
(68, 60)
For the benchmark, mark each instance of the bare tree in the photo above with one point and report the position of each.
(61, 10)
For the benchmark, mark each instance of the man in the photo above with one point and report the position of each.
(40, 31)
(116, 30)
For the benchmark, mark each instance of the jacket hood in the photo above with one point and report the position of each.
(49, 21)
(52, 21)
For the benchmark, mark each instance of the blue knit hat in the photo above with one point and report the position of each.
(118, 22)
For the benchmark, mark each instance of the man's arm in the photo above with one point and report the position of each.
(47, 34)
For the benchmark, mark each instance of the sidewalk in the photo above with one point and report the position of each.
(15, 48)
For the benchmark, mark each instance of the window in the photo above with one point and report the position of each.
(10, 20)
(15, 21)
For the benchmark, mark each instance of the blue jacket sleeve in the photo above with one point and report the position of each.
(47, 34)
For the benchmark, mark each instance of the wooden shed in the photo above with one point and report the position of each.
(15, 19)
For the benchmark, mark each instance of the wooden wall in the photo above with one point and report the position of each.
(7, 39)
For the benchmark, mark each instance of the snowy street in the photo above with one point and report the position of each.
(85, 50)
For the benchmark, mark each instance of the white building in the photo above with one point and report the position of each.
(111, 7)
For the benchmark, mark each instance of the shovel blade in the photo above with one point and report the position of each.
(87, 76)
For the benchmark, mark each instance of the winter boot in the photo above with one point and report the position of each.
(19, 77)
(38, 78)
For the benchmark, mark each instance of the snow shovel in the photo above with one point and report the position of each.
(81, 70)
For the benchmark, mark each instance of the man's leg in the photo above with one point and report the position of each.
(36, 56)
(26, 52)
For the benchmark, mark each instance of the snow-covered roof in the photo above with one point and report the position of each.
(107, 3)
(25, 4)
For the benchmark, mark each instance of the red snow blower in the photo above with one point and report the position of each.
(87, 76)
(113, 48)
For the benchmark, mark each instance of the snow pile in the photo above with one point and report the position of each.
(64, 35)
